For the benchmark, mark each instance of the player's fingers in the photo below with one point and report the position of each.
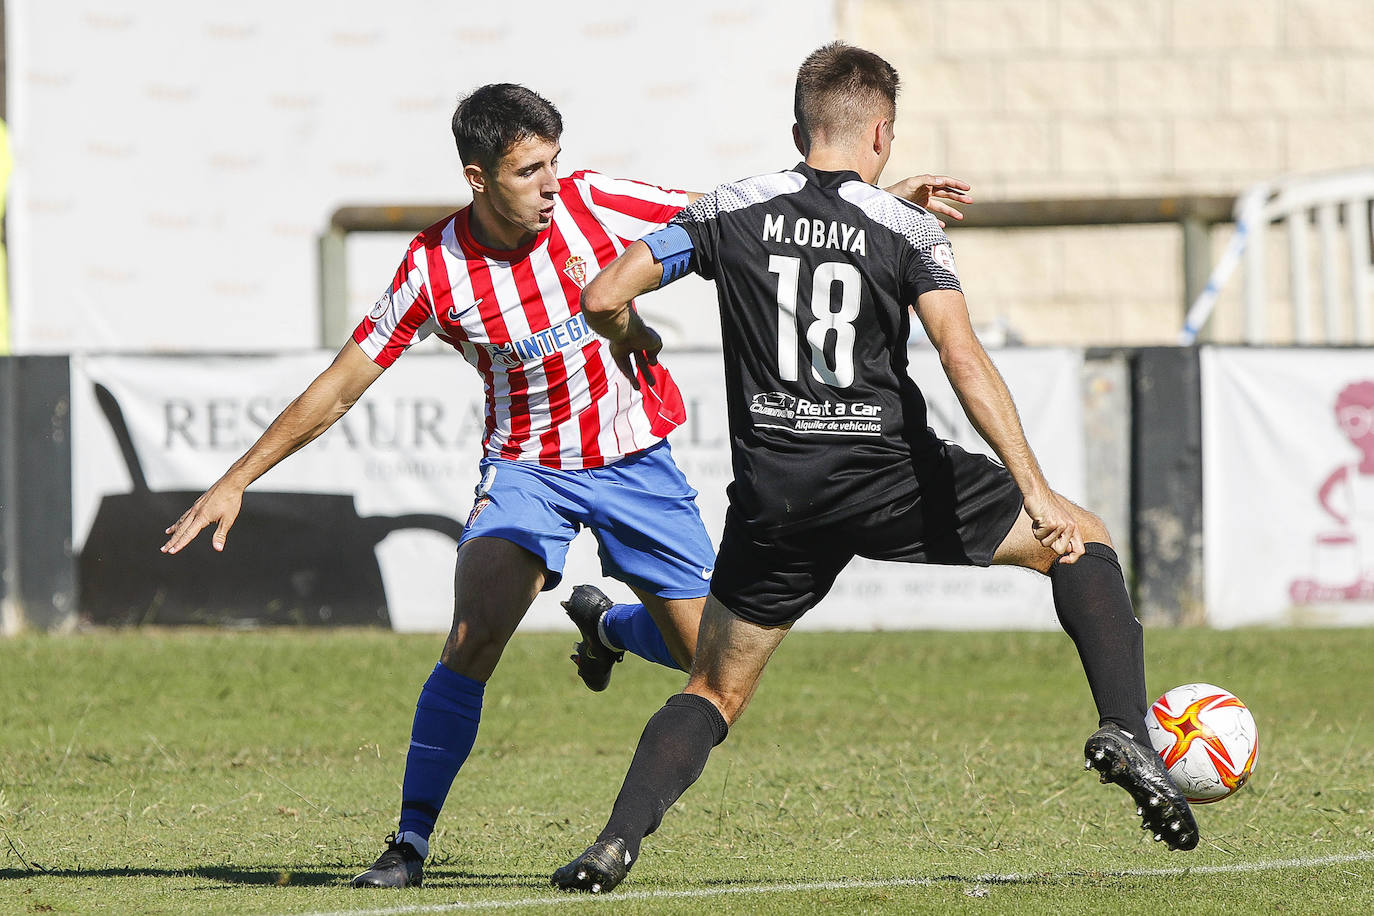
(623, 361)
(1076, 548)
(178, 523)
(644, 360)
(183, 533)
(934, 206)
(950, 183)
(1072, 551)
(222, 531)
(952, 193)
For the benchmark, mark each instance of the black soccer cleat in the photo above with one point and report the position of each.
(400, 866)
(602, 866)
(594, 659)
(1162, 808)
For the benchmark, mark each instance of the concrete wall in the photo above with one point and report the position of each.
(1049, 98)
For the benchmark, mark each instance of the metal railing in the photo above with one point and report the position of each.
(1339, 204)
(1194, 214)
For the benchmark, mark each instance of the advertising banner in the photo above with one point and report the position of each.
(359, 527)
(1288, 483)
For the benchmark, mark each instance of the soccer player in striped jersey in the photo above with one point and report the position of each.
(570, 439)
(816, 273)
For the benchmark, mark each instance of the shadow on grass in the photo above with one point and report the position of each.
(439, 877)
(279, 877)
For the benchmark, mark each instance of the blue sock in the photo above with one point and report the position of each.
(446, 718)
(629, 627)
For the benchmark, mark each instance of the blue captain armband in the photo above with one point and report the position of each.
(672, 247)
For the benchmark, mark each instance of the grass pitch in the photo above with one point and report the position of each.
(255, 773)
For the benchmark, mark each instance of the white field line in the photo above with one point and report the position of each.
(551, 899)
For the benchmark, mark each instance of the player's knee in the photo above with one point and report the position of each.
(729, 703)
(1092, 529)
(473, 649)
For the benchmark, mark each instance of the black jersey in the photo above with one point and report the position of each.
(815, 272)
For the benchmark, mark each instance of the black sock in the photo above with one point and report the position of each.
(672, 753)
(1095, 610)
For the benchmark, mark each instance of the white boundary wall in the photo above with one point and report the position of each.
(175, 162)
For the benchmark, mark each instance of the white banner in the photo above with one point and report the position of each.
(1288, 484)
(402, 465)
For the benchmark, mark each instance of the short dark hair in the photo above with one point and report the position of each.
(838, 86)
(492, 118)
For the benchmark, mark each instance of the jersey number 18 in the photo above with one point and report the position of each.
(827, 318)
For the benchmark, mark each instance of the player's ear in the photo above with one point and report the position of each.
(880, 136)
(477, 179)
(799, 139)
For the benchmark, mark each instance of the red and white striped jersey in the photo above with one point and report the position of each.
(553, 393)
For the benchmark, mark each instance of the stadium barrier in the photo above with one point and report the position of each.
(1237, 483)
(360, 527)
(104, 451)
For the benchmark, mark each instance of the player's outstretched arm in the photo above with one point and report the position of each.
(606, 304)
(327, 398)
(989, 406)
(931, 192)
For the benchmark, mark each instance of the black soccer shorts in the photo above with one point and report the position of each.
(963, 506)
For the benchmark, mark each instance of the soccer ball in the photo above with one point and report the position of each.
(1207, 738)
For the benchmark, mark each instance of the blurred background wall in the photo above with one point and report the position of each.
(1097, 98)
(175, 162)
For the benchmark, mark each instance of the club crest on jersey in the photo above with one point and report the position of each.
(576, 269)
(379, 308)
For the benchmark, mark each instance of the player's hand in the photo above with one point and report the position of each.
(1054, 524)
(637, 350)
(219, 504)
(931, 192)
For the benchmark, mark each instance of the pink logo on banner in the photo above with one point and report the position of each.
(1344, 564)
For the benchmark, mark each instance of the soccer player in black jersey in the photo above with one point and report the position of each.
(817, 271)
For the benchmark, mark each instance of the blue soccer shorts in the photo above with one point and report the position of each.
(641, 510)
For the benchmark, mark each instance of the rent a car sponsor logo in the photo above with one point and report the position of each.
(779, 410)
(774, 404)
